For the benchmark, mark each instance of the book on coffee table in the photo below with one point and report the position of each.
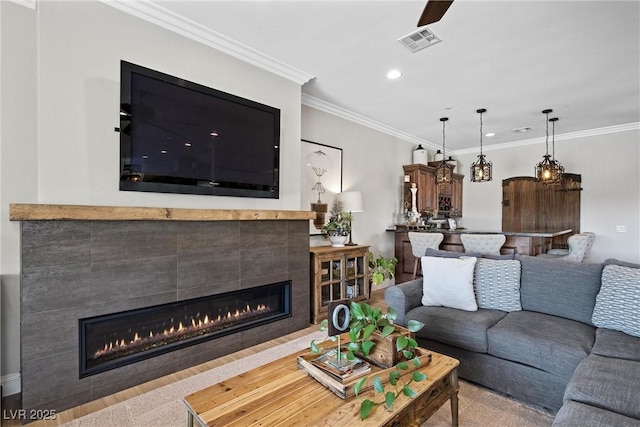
(341, 368)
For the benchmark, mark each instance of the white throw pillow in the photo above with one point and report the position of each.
(448, 282)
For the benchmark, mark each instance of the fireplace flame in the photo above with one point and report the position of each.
(197, 325)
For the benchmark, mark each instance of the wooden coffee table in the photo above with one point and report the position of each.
(280, 394)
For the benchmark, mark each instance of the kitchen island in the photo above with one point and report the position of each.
(519, 242)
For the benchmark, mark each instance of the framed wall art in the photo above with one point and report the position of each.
(321, 181)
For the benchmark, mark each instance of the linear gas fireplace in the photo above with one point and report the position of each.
(118, 339)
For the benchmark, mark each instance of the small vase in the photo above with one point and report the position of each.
(338, 240)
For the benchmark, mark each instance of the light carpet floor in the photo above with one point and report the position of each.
(163, 407)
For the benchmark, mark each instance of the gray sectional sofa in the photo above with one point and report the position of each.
(559, 347)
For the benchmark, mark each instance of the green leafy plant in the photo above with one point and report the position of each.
(381, 268)
(365, 321)
(339, 221)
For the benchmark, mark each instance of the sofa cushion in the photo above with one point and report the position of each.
(440, 253)
(564, 289)
(610, 343)
(607, 383)
(618, 302)
(459, 328)
(550, 343)
(576, 414)
(448, 282)
(497, 284)
(506, 256)
(613, 261)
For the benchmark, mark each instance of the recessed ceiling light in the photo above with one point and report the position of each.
(187, 144)
(213, 133)
(490, 134)
(393, 74)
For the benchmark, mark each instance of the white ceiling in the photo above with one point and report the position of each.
(514, 58)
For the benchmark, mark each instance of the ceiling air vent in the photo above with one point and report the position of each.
(420, 39)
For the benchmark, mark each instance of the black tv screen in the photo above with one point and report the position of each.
(178, 136)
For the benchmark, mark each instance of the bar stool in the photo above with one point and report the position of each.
(579, 247)
(485, 244)
(419, 244)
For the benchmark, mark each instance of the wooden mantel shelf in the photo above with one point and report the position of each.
(42, 212)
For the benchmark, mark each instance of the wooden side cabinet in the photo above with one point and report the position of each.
(337, 273)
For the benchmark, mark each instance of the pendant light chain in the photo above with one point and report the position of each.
(553, 151)
(444, 156)
(444, 170)
(481, 132)
(547, 140)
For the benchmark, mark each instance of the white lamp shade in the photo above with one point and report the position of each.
(351, 201)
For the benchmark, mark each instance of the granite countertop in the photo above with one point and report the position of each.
(533, 233)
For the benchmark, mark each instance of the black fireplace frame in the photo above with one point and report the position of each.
(86, 371)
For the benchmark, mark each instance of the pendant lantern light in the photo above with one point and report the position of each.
(444, 171)
(481, 169)
(549, 170)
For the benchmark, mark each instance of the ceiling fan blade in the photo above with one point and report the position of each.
(433, 11)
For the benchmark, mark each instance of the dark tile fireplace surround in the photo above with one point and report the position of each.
(75, 269)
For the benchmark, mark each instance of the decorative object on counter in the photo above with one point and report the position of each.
(339, 225)
(444, 171)
(481, 169)
(549, 170)
(321, 180)
(414, 205)
(351, 202)
(452, 223)
(420, 155)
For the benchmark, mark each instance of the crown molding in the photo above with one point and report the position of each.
(327, 107)
(158, 15)
(558, 137)
(343, 113)
(30, 4)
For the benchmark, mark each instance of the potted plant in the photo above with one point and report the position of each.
(381, 268)
(370, 335)
(339, 225)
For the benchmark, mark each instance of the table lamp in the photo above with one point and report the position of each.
(351, 202)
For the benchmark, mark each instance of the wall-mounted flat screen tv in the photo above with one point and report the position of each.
(178, 136)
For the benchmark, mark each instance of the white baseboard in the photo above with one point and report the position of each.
(10, 384)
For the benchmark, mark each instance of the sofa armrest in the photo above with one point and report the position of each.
(404, 297)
